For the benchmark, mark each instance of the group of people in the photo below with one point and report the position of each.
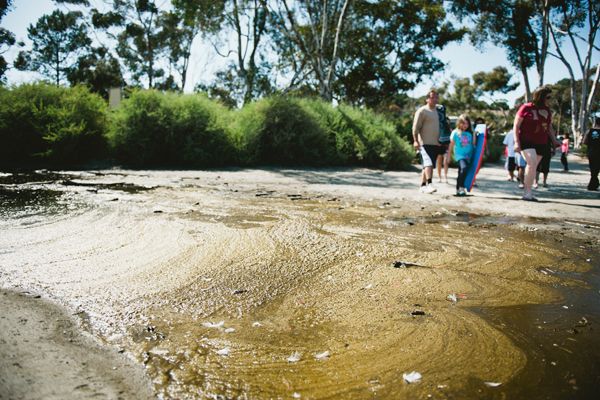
(436, 143)
(530, 145)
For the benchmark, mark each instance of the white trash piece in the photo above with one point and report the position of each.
(492, 384)
(295, 357)
(223, 352)
(412, 377)
(322, 356)
(214, 325)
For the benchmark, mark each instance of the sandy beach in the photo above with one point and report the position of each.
(296, 283)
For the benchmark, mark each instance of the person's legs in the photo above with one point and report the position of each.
(439, 163)
(594, 170)
(511, 168)
(462, 173)
(446, 164)
(564, 162)
(532, 159)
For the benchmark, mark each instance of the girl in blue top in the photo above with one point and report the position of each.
(461, 146)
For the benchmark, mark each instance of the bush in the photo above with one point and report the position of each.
(45, 124)
(361, 137)
(279, 131)
(155, 129)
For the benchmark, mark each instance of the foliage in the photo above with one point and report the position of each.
(7, 39)
(155, 129)
(58, 40)
(279, 131)
(40, 123)
(288, 131)
(98, 70)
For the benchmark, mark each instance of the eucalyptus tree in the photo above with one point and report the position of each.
(134, 25)
(361, 51)
(7, 39)
(573, 17)
(180, 26)
(309, 36)
(58, 40)
(520, 26)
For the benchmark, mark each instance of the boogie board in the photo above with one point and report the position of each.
(477, 158)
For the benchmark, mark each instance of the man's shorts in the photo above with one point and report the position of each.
(429, 153)
(511, 164)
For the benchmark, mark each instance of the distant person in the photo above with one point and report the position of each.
(564, 149)
(592, 141)
(533, 128)
(426, 134)
(510, 165)
(461, 147)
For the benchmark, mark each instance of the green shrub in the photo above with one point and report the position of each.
(49, 125)
(155, 129)
(361, 137)
(279, 131)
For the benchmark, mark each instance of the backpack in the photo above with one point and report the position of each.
(444, 125)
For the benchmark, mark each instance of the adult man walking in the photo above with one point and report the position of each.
(426, 134)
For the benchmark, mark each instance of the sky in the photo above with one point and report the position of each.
(461, 59)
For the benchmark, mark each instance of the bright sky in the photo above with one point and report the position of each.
(462, 59)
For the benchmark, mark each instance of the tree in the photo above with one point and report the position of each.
(312, 31)
(140, 44)
(520, 26)
(58, 41)
(7, 39)
(362, 51)
(181, 26)
(573, 16)
(98, 70)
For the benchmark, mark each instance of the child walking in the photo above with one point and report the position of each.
(461, 146)
(564, 147)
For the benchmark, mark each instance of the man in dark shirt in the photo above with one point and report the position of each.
(592, 140)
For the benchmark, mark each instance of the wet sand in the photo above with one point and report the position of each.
(284, 283)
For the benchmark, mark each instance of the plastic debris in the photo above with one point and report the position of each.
(565, 307)
(229, 330)
(492, 384)
(295, 357)
(412, 377)
(417, 312)
(369, 286)
(296, 395)
(322, 356)
(223, 352)
(454, 297)
(256, 324)
(214, 325)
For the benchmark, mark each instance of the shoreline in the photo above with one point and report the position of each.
(45, 355)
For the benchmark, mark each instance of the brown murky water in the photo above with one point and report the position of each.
(231, 292)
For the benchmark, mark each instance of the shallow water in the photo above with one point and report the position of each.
(306, 286)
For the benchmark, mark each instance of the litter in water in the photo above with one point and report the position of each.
(295, 357)
(214, 325)
(229, 330)
(223, 352)
(412, 377)
(492, 384)
(322, 356)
